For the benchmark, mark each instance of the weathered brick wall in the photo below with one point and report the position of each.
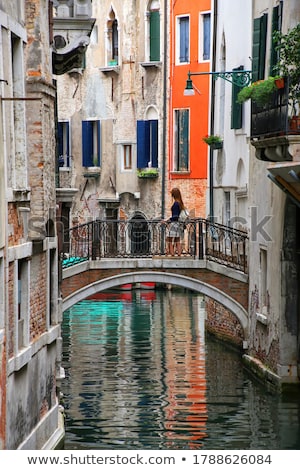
(38, 296)
(11, 315)
(16, 229)
(193, 194)
(223, 324)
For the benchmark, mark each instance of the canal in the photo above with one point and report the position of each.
(141, 373)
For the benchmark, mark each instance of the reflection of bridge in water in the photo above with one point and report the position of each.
(105, 254)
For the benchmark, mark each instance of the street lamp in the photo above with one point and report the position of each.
(237, 77)
(240, 78)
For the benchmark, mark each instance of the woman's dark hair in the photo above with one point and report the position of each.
(176, 194)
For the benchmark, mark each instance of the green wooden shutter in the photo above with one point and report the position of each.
(263, 44)
(276, 26)
(154, 36)
(259, 47)
(183, 159)
(236, 108)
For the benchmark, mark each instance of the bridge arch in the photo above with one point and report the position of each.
(163, 278)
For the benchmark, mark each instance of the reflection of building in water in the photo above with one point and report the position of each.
(186, 412)
(135, 371)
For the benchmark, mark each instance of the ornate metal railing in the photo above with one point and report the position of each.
(140, 238)
(273, 118)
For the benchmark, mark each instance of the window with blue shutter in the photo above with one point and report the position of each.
(91, 143)
(63, 137)
(181, 140)
(184, 39)
(147, 144)
(206, 36)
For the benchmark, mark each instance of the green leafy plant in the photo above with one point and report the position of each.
(260, 92)
(288, 48)
(148, 173)
(212, 139)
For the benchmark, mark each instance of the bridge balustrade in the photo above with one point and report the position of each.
(141, 238)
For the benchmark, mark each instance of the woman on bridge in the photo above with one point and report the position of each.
(176, 228)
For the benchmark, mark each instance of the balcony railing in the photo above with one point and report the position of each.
(272, 119)
(140, 238)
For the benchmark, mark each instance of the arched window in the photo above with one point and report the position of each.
(153, 28)
(112, 43)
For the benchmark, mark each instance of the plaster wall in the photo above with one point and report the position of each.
(118, 99)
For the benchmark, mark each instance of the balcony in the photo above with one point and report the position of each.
(275, 134)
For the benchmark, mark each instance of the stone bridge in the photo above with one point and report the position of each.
(224, 286)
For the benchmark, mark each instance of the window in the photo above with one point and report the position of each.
(181, 140)
(259, 47)
(227, 212)
(147, 144)
(63, 138)
(276, 26)
(154, 31)
(263, 280)
(204, 42)
(236, 108)
(112, 41)
(91, 143)
(127, 157)
(23, 307)
(183, 40)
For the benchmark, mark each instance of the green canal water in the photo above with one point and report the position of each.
(141, 373)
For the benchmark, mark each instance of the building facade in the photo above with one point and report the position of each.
(30, 317)
(274, 196)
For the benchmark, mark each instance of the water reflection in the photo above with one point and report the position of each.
(140, 373)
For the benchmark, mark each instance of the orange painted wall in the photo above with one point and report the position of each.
(199, 103)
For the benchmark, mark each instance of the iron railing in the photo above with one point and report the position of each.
(272, 119)
(140, 238)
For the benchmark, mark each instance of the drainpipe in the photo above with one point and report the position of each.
(164, 137)
(212, 114)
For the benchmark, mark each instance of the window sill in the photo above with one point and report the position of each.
(180, 172)
(262, 318)
(110, 68)
(156, 64)
(92, 172)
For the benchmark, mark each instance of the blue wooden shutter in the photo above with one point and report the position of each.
(60, 138)
(184, 40)
(206, 36)
(87, 143)
(154, 142)
(98, 144)
(143, 144)
(154, 35)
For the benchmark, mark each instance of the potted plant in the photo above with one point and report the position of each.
(288, 48)
(260, 92)
(214, 141)
(147, 173)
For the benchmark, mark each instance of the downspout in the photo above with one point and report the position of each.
(212, 114)
(164, 137)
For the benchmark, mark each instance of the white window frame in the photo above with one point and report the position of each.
(201, 36)
(177, 43)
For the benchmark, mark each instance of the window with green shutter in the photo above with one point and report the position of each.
(181, 139)
(154, 36)
(276, 26)
(259, 47)
(236, 108)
